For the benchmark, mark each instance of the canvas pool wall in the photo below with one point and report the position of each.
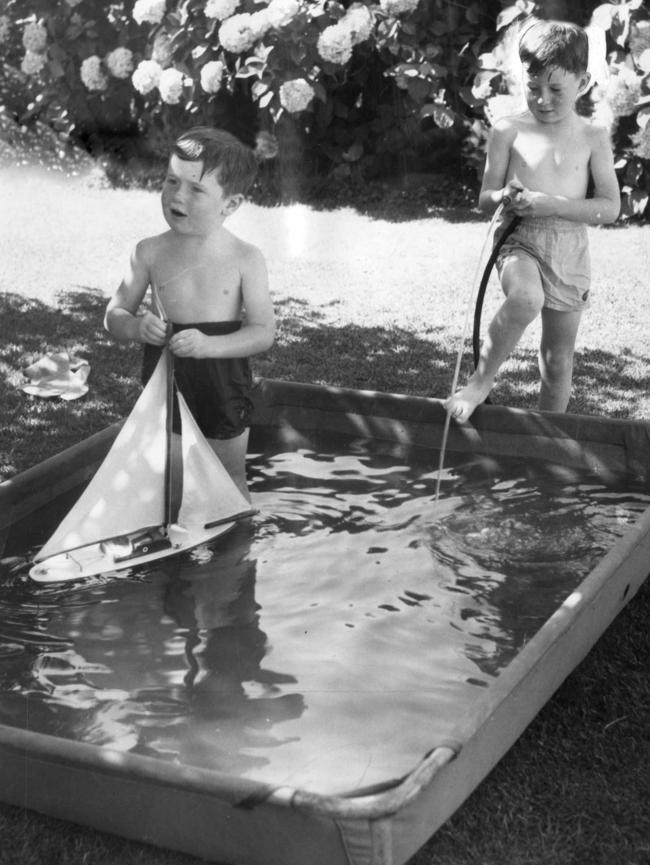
(228, 819)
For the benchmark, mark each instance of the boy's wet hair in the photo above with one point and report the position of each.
(554, 44)
(234, 163)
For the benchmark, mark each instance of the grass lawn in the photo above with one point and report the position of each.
(370, 303)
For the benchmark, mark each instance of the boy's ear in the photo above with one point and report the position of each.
(585, 81)
(232, 203)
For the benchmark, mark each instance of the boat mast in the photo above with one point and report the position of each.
(169, 414)
(169, 438)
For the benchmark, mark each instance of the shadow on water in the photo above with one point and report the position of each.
(308, 348)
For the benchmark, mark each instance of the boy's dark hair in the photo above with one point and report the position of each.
(234, 162)
(554, 44)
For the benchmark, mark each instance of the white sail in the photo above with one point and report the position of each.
(127, 491)
(209, 493)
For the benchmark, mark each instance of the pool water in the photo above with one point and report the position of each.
(331, 641)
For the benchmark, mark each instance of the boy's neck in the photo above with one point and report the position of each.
(200, 241)
(552, 126)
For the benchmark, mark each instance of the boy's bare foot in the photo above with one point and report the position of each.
(462, 404)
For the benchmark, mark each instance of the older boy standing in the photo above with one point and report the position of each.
(539, 166)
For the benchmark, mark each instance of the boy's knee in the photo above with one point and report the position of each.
(557, 366)
(525, 304)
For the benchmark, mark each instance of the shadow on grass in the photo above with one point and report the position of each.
(604, 383)
(308, 348)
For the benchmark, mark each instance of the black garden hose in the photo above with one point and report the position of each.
(478, 309)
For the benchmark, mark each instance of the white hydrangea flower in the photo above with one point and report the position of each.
(162, 49)
(171, 86)
(639, 36)
(282, 12)
(151, 11)
(623, 92)
(502, 105)
(146, 76)
(641, 140)
(296, 95)
(34, 37)
(602, 114)
(237, 33)
(32, 62)
(359, 21)
(643, 61)
(335, 44)
(92, 74)
(220, 9)
(120, 62)
(5, 27)
(212, 76)
(260, 23)
(398, 7)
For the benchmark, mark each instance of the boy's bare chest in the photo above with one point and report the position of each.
(198, 289)
(553, 162)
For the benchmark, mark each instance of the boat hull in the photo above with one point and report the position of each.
(95, 559)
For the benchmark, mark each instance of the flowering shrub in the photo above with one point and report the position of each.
(624, 100)
(355, 84)
(350, 88)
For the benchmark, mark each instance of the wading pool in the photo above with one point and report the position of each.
(330, 680)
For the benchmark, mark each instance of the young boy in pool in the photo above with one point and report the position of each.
(209, 285)
(539, 165)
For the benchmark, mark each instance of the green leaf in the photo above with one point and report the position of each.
(473, 14)
(633, 172)
(56, 69)
(258, 89)
(637, 201)
(319, 91)
(443, 117)
(469, 98)
(265, 100)
(418, 89)
(353, 153)
(56, 52)
(73, 31)
(511, 13)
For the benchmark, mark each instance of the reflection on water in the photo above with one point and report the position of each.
(328, 643)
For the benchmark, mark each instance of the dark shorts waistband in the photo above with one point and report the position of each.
(216, 390)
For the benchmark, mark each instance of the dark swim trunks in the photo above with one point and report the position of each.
(217, 391)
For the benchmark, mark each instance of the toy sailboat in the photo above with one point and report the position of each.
(130, 512)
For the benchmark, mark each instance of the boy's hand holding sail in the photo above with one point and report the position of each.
(152, 329)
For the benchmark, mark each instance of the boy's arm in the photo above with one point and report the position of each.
(121, 319)
(258, 328)
(497, 160)
(605, 205)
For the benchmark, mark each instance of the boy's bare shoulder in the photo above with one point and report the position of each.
(244, 252)
(147, 248)
(506, 128)
(595, 133)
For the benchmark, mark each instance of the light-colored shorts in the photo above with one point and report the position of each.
(560, 249)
